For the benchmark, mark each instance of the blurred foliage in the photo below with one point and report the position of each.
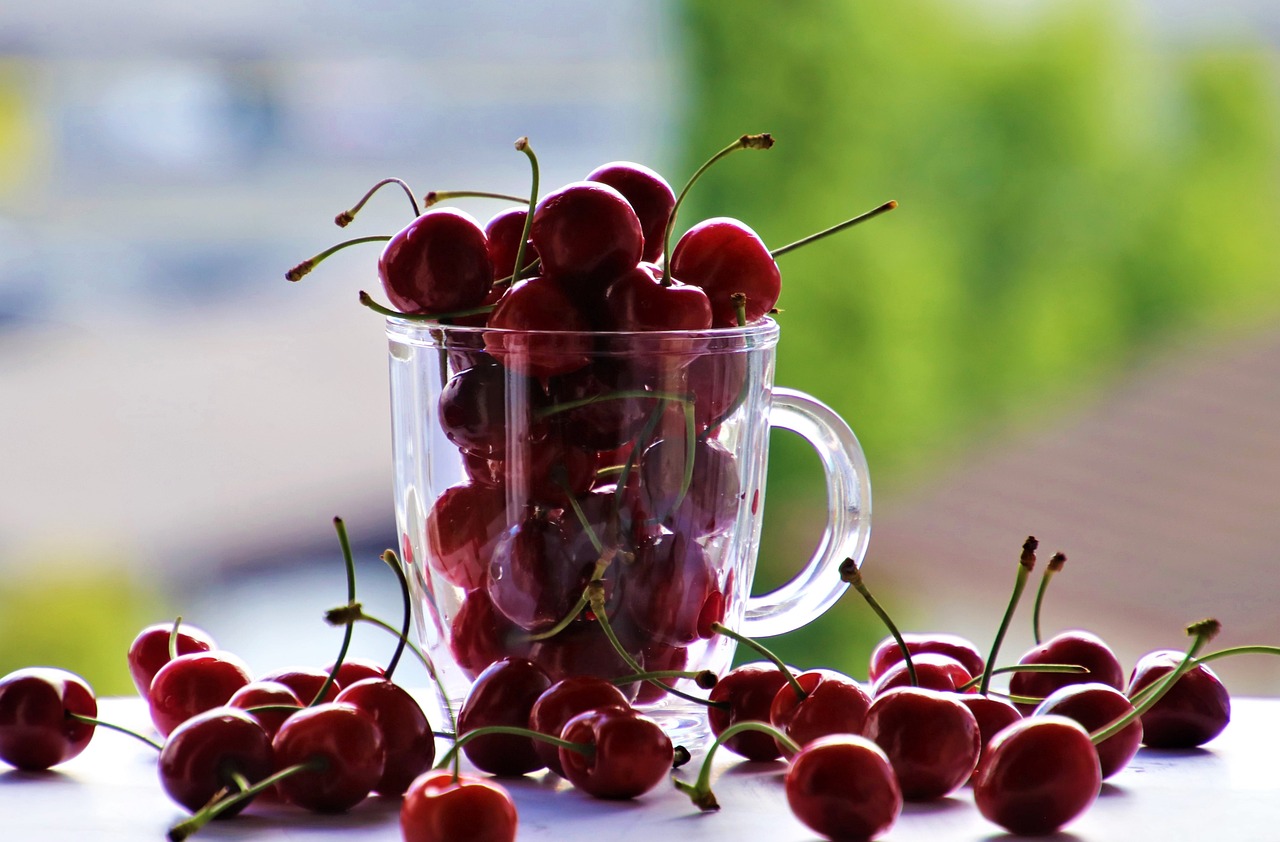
(1072, 193)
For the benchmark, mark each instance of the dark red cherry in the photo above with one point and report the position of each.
(993, 715)
(439, 263)
(534, 577)
(473, 410)
(667, 586)
(931, 739)
(708, 503)
(587, 233)
(462, 527)
(660, 656)
(194, 683)
(833, 704)
(649, 195)
(549, 472)
(305, 681)
(1036, 775)
(887, 652)
(631, 754)
(344, 745)
(503, 233)
(1095, 706)
(36, 732)
(933, 670)
(1191, 712)
(406, 734)
(637, 300)
(746, 694)
(1069, 647)
(716, 380)
(724, 257)
(564, 700)
(205, 754)
(439, 807)
(525, 321)
(480, 634)
(352, 670)
(273, 696)
(584, 649)
(150, 650)
(843, 787)
(503, 694)
(595, 413)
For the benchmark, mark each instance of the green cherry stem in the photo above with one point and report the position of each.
(450, 757)
(393, 561)
(1252, 649)
(1068, 669)
(173, 637)
(345, 218)
(522, 145)
(1055, 564)
(756, 645)
(850, 573)
(706, 679)
(436, 196)
(699, 791)
(298, 272)
(1026, 562)
(93, 720)
(366, 300)
(349, 626)
(747, 141)
(827, 232)
(215, 808)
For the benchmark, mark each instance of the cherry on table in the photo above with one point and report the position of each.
(353, 669)
(746, 694)
(273, 697)
(344, 748)
(887, 652)
(843, 787)
(630, 753)
(934, 671)
(931, 739)
(1191, 712)
(442, 807)
(406, 734)
(833, 704)
(503, 694)
(36, 732)
(1069, 647)
(564, 700)
(1094, 706)
(213, 751)
(584, 649)
(149, 650)
(439, 263)
(305, 681)
(191, 684)
(992, 714)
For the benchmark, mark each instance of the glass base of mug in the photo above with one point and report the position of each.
(685, 723)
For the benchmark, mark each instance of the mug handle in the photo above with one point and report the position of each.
(817, 587)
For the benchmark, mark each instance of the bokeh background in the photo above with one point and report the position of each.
(1069, 328)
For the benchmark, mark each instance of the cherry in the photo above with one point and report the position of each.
(746, 694)
(149, 651)
(630, 755)
(223, 748)
(352, 670)
(1191, 712)
(503, 694)
(656, 657)
(933, 670)
(594, 412)
(534, 578)
(888, 652)
(724, 257)
(638, 300)
(717, 380)
(443, 807)
(406, 734)
(706, 503)
(480, 634)
(307, 682)
(37, 729)
(564, 700)
(584, 649)
(191, 684)
(649, 195)
(1069, 647)
(503, 232)
(342, 750)
(439, 263)
(668, 586)
(550, 472)
(271, 695)
(473, 409)
(843, 787)
(993, 715)
(931, 739)
(586, 232)
(1037, 774)
(524, 321)
(1096, 705)
(833, 704)
(462, 526)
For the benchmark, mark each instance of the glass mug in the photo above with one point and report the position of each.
(529, 465)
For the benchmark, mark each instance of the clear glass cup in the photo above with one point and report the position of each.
(529, 465)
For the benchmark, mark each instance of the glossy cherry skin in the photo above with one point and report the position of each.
(352, 670)
(834, 704)
(463, 525)
(1095, 706)
(1036, 775)
(649, 195)
(406, 733)
(502, 233)
(35, 731)
(346, 744)
(473, 409)
(440, 808)
(597, 416)
(887, 652)
(637, 300)
(537, 574)
(525, 317)
(632, 754)
(439, 263)
(1193, 711)
(503, 694)
(931, 739)
(480, 634)
(933, 670)
(204, 754)
(1069, 647)
(843, 787)
(586, 232)
(260, 693)
(746, 694)
(709, 505)
(584, 649)
(191, 684)
(564, 700)
(307, 682)
(149, 651)
(724, 257)
(993, 715)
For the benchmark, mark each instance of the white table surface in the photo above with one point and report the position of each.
(1227, 791)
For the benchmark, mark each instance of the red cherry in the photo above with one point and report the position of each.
(345, 746)
(564, 700)
(525, 316)
(660, 656)
(439, 263)
(931, 739)
(588, 233)
(599, 419)
(888, 652)
(631, 753)
(933, 670)
(462, 527)
(1191, 712)
(710, 501)
(535, 578)
(261, 693)
(843, 787)
(480, 635)
(583, 649)
(473, 409)
(352, 670)
(36, 731)
(667, 587)
(204, 755)
(833, 704)
(150, 650)
(724, 257)
(1095, 706)
(746, 694)
(993, 715)
(305, 681)
(1069, 647)
(1037, 775)
(649, 195)
(503, 694)
(503, 233)
(191, 684)
(441, 808)
(637, 300)
(406, 734)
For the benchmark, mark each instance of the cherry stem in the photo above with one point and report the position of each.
(641, 441)
(93, 720)
(1201, 632)
(1026, 562)
(298, 272)
(1055, 564)
(747, 141)
(827, 232)
(444, 195)
(619, 394)
(367, 300)
(699, 791)
(705, 679)
(450, 756)
(1068, 669)
(345, 218)
(523, 145)
(393, 561)
(720, 628)
(350, 565)
(850, 573)
(173, 637)
(211, 811)
(1255, 649)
